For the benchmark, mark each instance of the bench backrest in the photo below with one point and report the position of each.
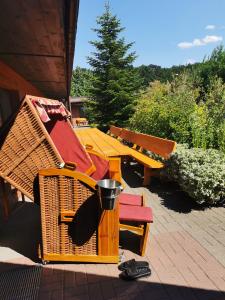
(160, 146)
(128, 136)
(115, 131)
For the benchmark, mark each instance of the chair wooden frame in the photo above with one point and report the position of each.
(57, 245)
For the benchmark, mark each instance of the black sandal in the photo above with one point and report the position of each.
(133, 263)
(135, 273)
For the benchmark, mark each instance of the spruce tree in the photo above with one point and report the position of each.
(115, 81)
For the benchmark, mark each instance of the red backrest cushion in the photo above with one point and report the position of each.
(102, 167)
(67, 143)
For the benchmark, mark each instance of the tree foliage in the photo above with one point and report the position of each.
(212, 66)
(151, 73)
(179, 111)
(115, 81)
(81, 82)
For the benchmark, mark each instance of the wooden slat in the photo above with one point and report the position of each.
(137, 230)
(101, 142)
(162, 147)
(115, 131)
(82, 258)
(145, 160)
(108, 233)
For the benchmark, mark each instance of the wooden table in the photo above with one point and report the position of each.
(101, 142)
(81, 121)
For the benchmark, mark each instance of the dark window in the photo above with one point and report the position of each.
(9, 101)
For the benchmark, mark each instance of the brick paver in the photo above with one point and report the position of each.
(186, 252)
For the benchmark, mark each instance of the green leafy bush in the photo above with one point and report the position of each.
(164, 109)
(181, 111)
(200, 173)
(215, 106)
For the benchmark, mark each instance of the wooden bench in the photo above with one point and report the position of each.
(114, 131)
(139, 142)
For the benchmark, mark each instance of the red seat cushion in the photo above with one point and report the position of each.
(135, 213)
(129, 199)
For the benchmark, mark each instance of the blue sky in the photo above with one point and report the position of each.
(165, 32)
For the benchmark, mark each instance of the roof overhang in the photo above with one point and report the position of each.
(78, 99)
(37, 40)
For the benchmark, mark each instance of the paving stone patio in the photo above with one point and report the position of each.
(186, 252)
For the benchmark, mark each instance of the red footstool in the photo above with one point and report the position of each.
(131, 211)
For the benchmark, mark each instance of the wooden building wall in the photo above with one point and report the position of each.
(13, 87)
(11, 80)
(75, 110)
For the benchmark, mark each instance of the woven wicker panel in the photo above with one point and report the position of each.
(25, 151)
(79, 237)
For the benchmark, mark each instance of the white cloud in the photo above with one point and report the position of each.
(212, 39)
(200, 42)
(210, 27)
(184, 45)
(190, 61)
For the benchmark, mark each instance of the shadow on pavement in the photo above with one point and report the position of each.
(169, 193)
(22, 231)
(69, 282)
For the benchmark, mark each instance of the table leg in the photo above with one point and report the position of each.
(147, 176)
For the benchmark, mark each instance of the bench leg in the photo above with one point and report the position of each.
(144, 239)
(147, 176)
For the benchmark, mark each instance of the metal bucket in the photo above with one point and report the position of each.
(108, 191)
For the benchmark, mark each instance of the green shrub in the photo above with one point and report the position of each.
(181, 111)
(215, 105)
(200, 173)
(199, 126)
(151, 116)
(164, 109)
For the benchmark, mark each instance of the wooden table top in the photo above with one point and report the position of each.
(101, 142)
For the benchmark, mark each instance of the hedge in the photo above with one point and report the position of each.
(200, 173)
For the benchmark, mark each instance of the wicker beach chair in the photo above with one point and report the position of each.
(74, 227)
(39, 136)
